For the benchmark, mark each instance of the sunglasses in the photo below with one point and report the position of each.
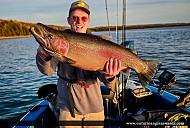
(83, 19)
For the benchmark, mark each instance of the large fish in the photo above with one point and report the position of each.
(90, 52)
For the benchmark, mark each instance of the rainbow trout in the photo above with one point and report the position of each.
(90, 52)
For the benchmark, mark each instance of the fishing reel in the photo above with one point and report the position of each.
(167, 79)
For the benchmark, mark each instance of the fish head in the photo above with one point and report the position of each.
(50, 39)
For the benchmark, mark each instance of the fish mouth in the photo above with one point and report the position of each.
(43, 37)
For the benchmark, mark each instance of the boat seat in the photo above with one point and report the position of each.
(137, 89)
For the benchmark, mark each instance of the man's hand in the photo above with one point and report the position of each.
(45, 56)
(112, 68)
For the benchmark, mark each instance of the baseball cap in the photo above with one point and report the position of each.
(80, 5)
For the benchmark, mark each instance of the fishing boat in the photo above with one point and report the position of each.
(149, 106)
(130, 105)
(133, 105)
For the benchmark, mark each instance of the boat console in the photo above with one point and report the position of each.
(153, 103)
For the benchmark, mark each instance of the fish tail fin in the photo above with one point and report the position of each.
(147, 76)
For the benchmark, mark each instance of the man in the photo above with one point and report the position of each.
(79, 95)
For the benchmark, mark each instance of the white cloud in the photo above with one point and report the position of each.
(138, 11)
(160, 14)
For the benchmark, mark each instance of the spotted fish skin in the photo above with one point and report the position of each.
(90, 52)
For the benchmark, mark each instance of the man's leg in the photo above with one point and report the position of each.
(96, 118)
(67, 121)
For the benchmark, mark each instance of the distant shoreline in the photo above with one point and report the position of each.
(111, 28)
(12, 37)
(140, 26)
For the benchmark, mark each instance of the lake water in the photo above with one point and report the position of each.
(20, 78)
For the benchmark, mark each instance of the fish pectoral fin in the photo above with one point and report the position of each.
(58, 56)
(126, 71)
(68, 60)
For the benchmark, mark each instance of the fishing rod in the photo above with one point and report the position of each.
(123, 21)
(123, 78)
(116, 28)
(107, 17)
(123, 41)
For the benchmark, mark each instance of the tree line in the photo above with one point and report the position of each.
(13, 28)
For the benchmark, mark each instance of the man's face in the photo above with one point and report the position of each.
(78, 20)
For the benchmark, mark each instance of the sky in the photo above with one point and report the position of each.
(55, 12)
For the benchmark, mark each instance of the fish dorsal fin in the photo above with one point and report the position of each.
(105, 37)
(133, 51)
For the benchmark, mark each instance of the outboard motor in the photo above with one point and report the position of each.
(49, 92)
